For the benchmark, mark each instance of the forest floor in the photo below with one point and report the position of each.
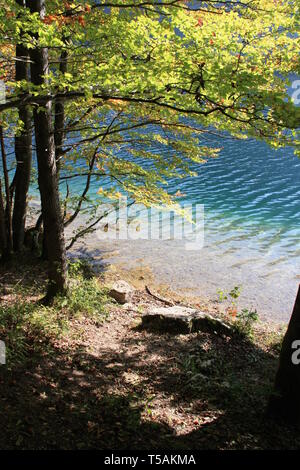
(78, 377)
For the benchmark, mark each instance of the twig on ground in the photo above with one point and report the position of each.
(165, 301)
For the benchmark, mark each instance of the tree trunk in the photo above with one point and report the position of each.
(47, 172)
(3, 233)
(59, 123)
(23, 152)
(8, 220)
(284, 403)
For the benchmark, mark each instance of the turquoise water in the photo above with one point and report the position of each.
(252, 230)
(251, 192)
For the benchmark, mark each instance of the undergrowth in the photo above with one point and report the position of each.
(26, 326)
(242, 320)
(226, 379)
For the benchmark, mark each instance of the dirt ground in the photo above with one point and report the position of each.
(117, 386)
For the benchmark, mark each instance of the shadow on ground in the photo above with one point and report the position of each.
(192, 392)
(127, 388)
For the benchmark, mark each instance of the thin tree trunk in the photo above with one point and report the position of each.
(3, 233)
(59, 122)
(23, 152)
(47, 172)
(284, 403)
(7, 196)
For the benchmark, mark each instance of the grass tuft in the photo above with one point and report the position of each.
(27, 326)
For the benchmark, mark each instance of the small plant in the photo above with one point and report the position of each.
(80, 268)
(148, 405)
(221, 295)
(232, 295)
(235, 293)
(245, 320)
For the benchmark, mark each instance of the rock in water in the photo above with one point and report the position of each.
(121, 291)
(182, 320)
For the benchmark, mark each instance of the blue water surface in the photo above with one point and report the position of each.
(251, 201)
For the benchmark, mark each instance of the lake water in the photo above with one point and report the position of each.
(252, 231)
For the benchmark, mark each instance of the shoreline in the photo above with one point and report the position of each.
(143, 279)
(266, 285)
(141, 276)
